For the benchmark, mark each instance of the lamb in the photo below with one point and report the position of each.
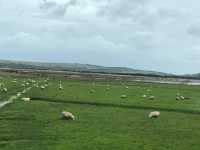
(67, 115)
(154, 114)
(26, 99)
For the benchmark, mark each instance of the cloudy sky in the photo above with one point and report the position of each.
(162, 35)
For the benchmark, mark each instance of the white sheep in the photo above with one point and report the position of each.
(27, 83)
(144, 96)
(67, 115)
(5, 90)
(60, 87)
(151, 98)
(123, 96)
(148, 90)
(42, 87)
(26, 99)
(154, 114)
(19, 94)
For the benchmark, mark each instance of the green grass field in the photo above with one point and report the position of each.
(104, 120)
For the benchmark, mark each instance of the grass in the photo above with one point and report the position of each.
(104, 121)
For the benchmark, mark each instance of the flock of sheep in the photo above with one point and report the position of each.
(28, 84)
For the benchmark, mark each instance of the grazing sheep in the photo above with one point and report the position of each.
(19, 94)
(107, 89)
(26, 99)
(36, 85)
(177, 98)
(154, 114)
(148, 90)
(92, 91)
(42, 87)
(127, 87)
(182, 97)
(5, 90)
(123, 96)
(144, 96)
(60, 87)
(67, 115)
(151, 98)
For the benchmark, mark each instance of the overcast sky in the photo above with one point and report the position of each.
(162, 35)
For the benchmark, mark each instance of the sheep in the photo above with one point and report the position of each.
(144, 96)
(26, 99)
(148, 90)
(151, 98)
(127, 87)
(42, 87)
(60, 87)
(123, 96)
(67, 115)
(182, 97)
(154, 114)
(5, 90)
(107, 89)
(19, 94)
(92, 91)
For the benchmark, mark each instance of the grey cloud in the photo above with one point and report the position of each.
(56, 9)
(116, 9)
(194, 30)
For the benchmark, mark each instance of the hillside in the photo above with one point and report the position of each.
(74, 67)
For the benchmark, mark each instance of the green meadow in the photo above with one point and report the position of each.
(105, 119)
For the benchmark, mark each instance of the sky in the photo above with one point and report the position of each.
(160, 35)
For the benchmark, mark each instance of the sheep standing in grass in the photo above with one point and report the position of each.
(123, 96)
(151, 98)
(19, 94)
(67, 115)
(5, 90)
(42, 87)
(182, 97)
(26, 99)
(107, 89)
(60, 87)
(154, 114)
(144, 96)
(92, 91)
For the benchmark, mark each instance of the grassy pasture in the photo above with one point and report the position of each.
(104, 120)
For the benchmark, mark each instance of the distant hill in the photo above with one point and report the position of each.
(74, 67)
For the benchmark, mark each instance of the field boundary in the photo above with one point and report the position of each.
(50, 100)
